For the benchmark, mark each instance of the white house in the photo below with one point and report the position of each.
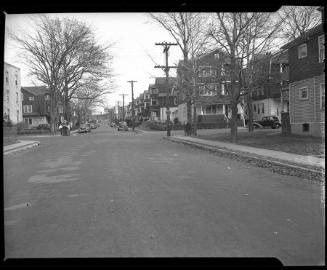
(12, 98)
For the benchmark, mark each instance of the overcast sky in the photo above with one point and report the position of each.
(134, 34)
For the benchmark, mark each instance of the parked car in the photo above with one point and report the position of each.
(93, 126)
(84, 128)
(122, 126)
(271, 121)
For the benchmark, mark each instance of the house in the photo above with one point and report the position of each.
(271, 80)
(306, 56)
(158, 99)
(154, 107)
(36, 105)
(213, 95)
(146, 102)
(12, 101)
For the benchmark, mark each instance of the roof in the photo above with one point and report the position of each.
(162, 80)
(311, 32)
(217, 99)
(280, 57)
(11, 65)
(36, 90)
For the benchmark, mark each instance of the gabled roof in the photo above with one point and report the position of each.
(311, 32)
(11, 65)
(36, 90)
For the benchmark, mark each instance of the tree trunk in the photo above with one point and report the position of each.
(195, 121)
(233, 122)
(189, 110)
(52, 115)
(250, 112)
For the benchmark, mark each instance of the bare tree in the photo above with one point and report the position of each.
(240, 36)
(188, 31)
(298, 20)
(63, 54)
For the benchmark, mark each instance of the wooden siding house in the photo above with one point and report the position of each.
(307, 82)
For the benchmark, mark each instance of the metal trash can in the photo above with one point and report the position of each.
(65, 131)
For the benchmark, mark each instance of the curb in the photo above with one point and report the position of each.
(20, 148)
(318, 172)
(139, 131)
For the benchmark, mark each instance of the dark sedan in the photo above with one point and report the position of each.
(267, 121)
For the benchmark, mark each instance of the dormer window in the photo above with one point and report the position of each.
(30, 98)
(302, 51)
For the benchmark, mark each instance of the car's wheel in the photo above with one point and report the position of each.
(273, 126)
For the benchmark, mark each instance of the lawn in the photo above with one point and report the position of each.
(9, 136)
(268, 139)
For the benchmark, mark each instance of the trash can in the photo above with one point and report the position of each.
(65, 131)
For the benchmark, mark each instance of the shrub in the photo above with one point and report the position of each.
(43, 126)
(21, 125)
(9, 123)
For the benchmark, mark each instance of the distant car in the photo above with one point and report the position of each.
(84, 128)
(93, 126)
(113, 124)
(122, 126)
(267, 121)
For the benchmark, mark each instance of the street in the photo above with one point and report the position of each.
(124, 194)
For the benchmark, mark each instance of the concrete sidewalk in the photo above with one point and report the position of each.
(21, 145)
(310, 162)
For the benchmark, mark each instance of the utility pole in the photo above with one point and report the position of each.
(118, 111)
(133, 112)
(166, 68)
(123, 105)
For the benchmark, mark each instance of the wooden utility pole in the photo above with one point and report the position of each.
(123, 105)
(118, 111)
(133, 112)
(166, 68)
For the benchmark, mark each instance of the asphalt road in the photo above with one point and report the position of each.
(121, 194)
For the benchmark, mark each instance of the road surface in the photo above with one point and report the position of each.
(121, 194)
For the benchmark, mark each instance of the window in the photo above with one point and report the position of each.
(153, 102)
(175, 101)
(31, 98)
(254, 108)
(30, 121)
(7, 77)
(48, 109)
(7, 96)
(322, 96)
(47, 97)
(254, 93)
(214, 109)
(16, 79)
(206, 72)
(258, 108)
(17, 97)
(222, 89)
(302, 51)
(305, 127)
(27, 108)
(263, 108)
(303, 93)
(22, 96)
(321, 46)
